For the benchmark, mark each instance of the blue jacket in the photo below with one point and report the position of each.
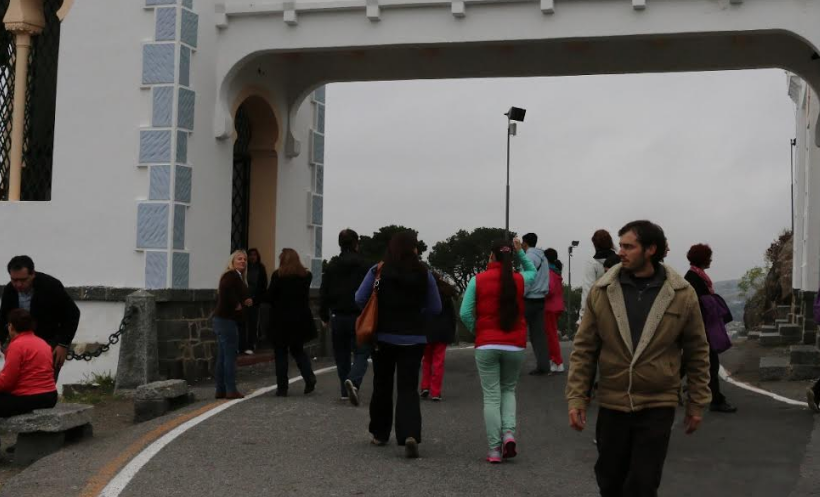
(540, 287)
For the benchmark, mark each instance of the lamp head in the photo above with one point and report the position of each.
(516, 114)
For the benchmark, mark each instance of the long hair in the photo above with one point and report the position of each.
(289, 264)
(508, 311)
(232, 267)
(444, 288)
(402, 253)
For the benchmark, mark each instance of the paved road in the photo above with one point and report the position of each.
(316, 445)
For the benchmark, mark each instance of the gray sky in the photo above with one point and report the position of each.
(705, 155)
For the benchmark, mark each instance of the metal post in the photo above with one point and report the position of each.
(793, 143)
(507, 218)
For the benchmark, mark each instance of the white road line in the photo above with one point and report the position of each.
(740, 384)
(126, 474)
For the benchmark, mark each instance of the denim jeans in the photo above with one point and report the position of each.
(343, 329)
(227, 336)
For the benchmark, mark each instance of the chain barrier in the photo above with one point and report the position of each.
(113, 339)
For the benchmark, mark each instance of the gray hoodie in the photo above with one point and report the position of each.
(539, 288)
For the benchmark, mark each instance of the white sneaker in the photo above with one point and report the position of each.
(556, 368)
(249, 352)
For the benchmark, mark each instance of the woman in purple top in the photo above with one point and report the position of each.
(407, 295)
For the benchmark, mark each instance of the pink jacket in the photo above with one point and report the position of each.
(555, 298)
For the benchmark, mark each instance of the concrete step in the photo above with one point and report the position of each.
(799, 372)
(783, 311)
(791, 340)
(768, 328)
(774, 368)
(770, 339)
(790, 330)
(754, 334)
(810, 338)
(805, 355)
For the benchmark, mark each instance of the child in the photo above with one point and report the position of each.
(441, 331)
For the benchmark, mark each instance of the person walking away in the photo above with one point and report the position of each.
(45, 298)
(27, 379)
(594, 268)
(257, 284)
(441, 332)
(493, 309)
(407, 294)
(291, 320)
(700, 258)
(342, 277)
(231, 299)
(642, 318)
(553, 308)
(534, 296)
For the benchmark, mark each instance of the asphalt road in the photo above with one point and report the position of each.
(317, 445)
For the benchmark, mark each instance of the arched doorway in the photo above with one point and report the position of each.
(254, 180)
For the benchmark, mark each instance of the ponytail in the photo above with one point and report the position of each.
(508, 311)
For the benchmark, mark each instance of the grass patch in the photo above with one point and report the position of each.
(94, 389)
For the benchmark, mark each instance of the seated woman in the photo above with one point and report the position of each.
(27, 379)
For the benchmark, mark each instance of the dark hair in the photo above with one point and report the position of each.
(531, 239)
(602, 240)
(508, 298)
(444, 288)
(254, 251)
(348, 240)
(21, 320)
(612, 261)
(401, 253)
(19, 262)
(552, 255)
(648, 234)
(699, 254)
(559, 266)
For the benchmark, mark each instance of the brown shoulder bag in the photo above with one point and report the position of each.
(369, 318)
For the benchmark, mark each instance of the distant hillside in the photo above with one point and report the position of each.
(731, 294)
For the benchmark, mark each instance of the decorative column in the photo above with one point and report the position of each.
(25, 19)
(317, 189)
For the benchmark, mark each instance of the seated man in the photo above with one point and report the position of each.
(27, 379)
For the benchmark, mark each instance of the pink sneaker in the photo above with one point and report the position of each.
(494, 455)
(509, 445)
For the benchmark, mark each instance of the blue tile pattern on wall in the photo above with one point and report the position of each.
(320, 180)
(316, 271)
(318, 149)
(163, 106)
(317, 242)
(155, 146)
(182, 146)
(179, 269)
(160, 183)
(158, 63)
(190, 22)
(182, 184)
(156, 269)
(320, 118)
(179, 227)
(152, 226)
(166, 24)
(319, 94)
(185, 109)
(151, 3)
(316, 210)
(188, 3)
(184, 66)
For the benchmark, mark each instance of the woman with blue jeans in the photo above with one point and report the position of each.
(232, 296)
(493, 309)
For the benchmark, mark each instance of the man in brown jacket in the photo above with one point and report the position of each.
(641, 320)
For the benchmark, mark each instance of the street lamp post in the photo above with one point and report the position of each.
(793, 143)
(574, 244)
(514, 115)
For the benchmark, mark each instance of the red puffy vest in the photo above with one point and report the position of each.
(487, 328)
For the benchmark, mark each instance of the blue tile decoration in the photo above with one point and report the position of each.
(319, 94)
(188, 4)
(316, 271)
(160, 183)
(318, 149)
(317, 242)
(180, 263)
(155, 146)
(152, 226)
(151, 3)
(166, 24)
(156, 269)
(184, 66)
(185, 109)
(163, 106)
(190, 24)
(317, 205)
(320, 118)
(158, 63)
(179, 227)
(182, 184)
(320, 180)
(182, 146)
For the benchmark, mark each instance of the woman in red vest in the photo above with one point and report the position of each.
(27, 379)
(493, 309)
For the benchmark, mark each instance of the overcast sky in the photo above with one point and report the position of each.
(705, 155)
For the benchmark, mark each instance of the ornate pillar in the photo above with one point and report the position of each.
(25, 19)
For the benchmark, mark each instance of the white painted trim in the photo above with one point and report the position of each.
(779, 398)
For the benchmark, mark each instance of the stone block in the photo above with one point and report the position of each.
(778, 322)
(799, 372)
(139, 352)
(790, 330)
(754, 335)
(809, 324)
(33, 446)
(783, 311)
(150, 409)
(804, 354)
(173, 330)
(58, 419)
(170, 350)
(791, 340)
(167, 389)
(773, 368)
(768, 328)
(770, 339)
(810, 338)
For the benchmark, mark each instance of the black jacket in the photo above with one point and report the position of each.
(442, 328)
(291, 320)
(402, 298)
(56, 315)
(700, 286)
(341, 279)
(257, 280)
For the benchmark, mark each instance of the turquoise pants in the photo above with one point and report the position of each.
(499, 371)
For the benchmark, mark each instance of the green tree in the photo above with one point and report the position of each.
(567, 323)
(464, 254)
(752, 281)
(374, 247)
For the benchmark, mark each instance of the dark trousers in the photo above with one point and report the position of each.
(343, 329)
(302, 362)
(534, 315)
(632, 450)
(714, 379)
(12, 405)
(248, 330)
(404, 361)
